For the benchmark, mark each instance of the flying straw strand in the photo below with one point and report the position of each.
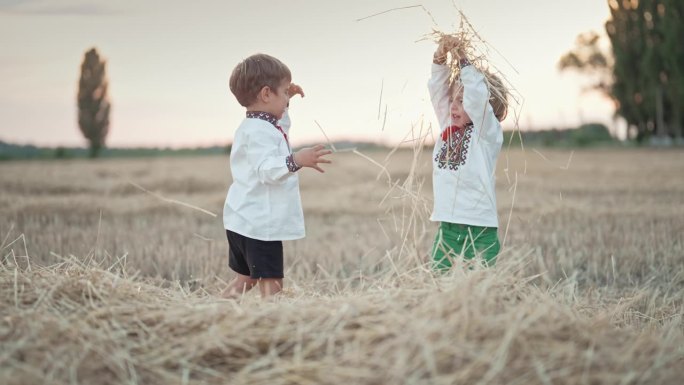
(172, 201)
(326, 137)
(400, 8)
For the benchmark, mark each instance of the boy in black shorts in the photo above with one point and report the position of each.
(263, 206)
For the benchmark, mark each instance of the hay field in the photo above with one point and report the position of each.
(103, 283)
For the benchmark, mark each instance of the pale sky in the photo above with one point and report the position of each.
(168, 64)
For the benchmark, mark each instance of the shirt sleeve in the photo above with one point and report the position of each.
(265, 157)
(285, 122)
(438, 85)
(476, 104)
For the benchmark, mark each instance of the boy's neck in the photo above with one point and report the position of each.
(257, 106)
(261, 107)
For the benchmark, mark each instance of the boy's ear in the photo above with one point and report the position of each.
(264, 94)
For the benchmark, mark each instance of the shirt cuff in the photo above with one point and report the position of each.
(291, 165)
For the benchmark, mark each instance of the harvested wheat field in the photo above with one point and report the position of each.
(104, 283)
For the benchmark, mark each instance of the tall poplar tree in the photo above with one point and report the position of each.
(93, 102)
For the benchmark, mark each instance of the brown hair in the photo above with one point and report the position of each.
(498, 93)
(253, 74)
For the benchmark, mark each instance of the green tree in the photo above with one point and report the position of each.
(93, 102)
(643, 71)
(670, 20)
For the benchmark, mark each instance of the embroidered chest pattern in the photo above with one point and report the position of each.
(454, 149)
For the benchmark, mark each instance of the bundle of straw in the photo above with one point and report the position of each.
(469, 45)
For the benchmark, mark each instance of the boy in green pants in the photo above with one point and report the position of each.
(464, 158)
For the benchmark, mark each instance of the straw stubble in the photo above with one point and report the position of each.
(570, 301)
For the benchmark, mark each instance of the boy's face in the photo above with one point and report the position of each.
(459, 117)
(278, 99)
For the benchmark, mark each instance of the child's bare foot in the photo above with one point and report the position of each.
(229, 293)
(238, 287)
(270, 286)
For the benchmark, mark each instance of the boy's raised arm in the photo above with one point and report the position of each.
(476, 102)
(285, 122)
(476, 97)
(438, 85)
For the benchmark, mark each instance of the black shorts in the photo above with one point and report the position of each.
(255, 258)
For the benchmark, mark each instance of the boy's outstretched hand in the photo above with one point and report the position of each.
(295, 89)
(312, 156)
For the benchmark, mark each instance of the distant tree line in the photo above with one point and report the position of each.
(586, 135)
(643, 72)
(9, 151)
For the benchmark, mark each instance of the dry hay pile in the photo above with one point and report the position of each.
(73, 323)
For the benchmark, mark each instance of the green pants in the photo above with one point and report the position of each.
(463, 241)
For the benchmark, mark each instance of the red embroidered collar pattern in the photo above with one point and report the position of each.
(455, 144)
(451, 130)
